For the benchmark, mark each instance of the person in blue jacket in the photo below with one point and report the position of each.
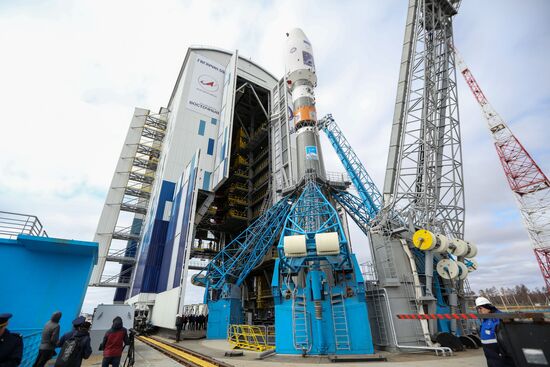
(493, 353)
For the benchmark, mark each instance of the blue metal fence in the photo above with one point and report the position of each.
(31, 342)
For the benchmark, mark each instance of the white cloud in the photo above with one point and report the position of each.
(72, 72)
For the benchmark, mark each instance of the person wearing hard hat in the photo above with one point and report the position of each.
(493, 353)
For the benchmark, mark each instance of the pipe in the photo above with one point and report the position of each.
(453, 302)
(437, 350)
(317, 293)
(428, 270)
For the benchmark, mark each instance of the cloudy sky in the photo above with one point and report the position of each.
(71, 73)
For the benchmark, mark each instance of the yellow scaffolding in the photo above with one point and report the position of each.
(239, 214)
(239, 200)
(249, 337)
(239, 160)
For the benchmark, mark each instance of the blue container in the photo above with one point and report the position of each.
(41, 275)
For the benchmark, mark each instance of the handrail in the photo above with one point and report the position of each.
(443, 350)
(250, 337)
(14, 224)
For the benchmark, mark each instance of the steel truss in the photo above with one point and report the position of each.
(313, 214)
(136, 183)
(424, 181)
(236, 260)
(530, 185)
(368, 192)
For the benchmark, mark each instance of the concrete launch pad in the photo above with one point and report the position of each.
(147, 356)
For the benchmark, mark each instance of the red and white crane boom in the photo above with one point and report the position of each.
(530, 185)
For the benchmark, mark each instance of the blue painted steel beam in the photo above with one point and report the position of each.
(311, 214)
(355, 209)
(236, 260)
(365, 186)
(329, 286)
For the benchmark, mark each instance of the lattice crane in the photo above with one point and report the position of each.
(530, 185)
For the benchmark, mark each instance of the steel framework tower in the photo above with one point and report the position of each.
(130, 192)
(424, 179)
(529, 184)
(423, 183)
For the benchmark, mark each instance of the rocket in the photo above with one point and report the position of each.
(301, 81)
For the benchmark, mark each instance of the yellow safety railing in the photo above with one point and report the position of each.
(249, 337)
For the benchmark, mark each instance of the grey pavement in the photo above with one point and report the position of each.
(147, 356)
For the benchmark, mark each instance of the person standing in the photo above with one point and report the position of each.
(75, 345)
(193, 322)
(114, 341)
(50, 336)
(185, 321)
(179, 326)
(11, 345)
(201, 322)
(493, 353)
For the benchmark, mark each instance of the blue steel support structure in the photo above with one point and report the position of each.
(364, 209)
(315, 295)
(366, 188)
(319, 296)
(355, 209)
(227, 271)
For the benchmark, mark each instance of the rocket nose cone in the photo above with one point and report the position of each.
(296, 32)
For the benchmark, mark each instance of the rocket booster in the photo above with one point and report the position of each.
(301, 81)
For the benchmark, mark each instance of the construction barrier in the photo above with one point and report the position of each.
(537, 316)
(250, 337)
(438, 316)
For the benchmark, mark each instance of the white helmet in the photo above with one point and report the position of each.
(482, 301)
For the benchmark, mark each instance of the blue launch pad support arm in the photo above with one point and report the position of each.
(369, 193)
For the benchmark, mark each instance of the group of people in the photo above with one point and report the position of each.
(191, 322)
(75, 345)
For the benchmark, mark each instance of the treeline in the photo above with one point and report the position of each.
(519, 295)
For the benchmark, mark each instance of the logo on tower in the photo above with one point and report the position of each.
(208, 84)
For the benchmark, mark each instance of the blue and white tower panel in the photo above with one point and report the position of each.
(214, 175)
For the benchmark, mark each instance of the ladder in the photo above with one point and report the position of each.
(340, 322)
(300, 323)
(377, 316)
(414, 306)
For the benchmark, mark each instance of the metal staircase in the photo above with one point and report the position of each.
(130, 192)
(340, 322)
(300, 323)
